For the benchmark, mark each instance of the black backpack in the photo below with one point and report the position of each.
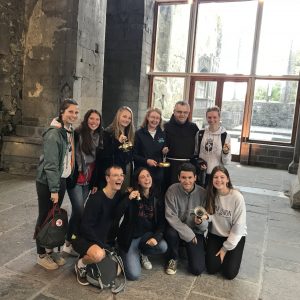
(104, 274)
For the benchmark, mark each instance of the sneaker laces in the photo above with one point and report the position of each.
(172, 264)
(144, 259)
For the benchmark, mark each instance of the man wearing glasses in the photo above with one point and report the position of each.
(96, 222)
(180, 139)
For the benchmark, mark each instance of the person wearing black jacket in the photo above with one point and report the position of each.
(141, 232)
(118, 133)
(88, 143)
(96, 221)
(180, 139)
(149, 146)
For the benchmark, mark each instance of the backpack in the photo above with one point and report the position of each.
(200, 137)
(104, 274)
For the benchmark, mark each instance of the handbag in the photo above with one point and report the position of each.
(52, 232)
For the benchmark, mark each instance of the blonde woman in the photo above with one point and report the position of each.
(149, 146)
(120, 131)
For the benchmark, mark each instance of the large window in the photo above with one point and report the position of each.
(224, 38)
(241, 55)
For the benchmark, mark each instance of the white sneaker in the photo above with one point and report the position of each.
(69, 250)
(145, 262)
(47, 262)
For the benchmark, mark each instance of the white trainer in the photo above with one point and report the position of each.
(69, 250)
(146, 262)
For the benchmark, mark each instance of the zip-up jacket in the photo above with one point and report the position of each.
(51, 165)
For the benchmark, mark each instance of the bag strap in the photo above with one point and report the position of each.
(223, 138)
(119, 261)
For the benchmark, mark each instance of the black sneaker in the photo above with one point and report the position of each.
(81, 275)
(172, 267)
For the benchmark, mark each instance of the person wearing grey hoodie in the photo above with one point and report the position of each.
(212, 145)
(185, 227)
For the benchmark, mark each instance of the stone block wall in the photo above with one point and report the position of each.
(11, 64)
(270, 156)
(88, 84)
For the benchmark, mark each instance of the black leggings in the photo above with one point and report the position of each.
(45, 204)
(195, 252)
(232, 260)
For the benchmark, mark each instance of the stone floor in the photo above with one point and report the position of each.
(270, 268)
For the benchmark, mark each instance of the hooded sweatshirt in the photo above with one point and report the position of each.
(211, 148)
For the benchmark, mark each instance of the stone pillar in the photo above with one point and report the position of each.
(127, 57)
(295, 191)
(293, 166)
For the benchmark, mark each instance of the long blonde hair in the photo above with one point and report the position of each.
(148, 112)
(115, 126)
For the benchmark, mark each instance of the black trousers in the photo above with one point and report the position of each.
(45, 204)
(195, 252)
(232, 260)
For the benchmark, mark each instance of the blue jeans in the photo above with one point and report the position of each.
(131, 259)
(77, 197)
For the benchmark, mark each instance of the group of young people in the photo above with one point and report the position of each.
(138, 190)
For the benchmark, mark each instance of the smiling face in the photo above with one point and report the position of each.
(70, 115)
(187, 180)
(125, 118)
(93, 121)
(213, 120)
(145, 180)
(153, 120)
(181, 113)
(220, 182)
(115, 179)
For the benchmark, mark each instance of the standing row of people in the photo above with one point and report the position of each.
(101, 163)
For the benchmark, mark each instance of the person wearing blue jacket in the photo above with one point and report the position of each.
(149, 146)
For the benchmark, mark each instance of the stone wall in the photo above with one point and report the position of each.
(11, 64)
(127, 55)
(269, 156)
(88, 84)
(49, 61)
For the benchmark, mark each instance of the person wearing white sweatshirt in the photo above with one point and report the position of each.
(227, 227)
(212, 144)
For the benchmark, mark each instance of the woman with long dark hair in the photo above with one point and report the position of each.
(141, 232)
(88, 143)
(227, 228)
(56, 164)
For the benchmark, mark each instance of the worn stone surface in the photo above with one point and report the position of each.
(270, 267)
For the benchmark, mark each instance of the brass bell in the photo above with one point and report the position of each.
(126, 146)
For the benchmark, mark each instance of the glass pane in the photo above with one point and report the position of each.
(279, 47)
(166, 92)
(172, 38)
(224, 39)
(234, 95)
(205, 96)
(273, 110)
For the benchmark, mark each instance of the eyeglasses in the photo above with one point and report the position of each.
(180, 112)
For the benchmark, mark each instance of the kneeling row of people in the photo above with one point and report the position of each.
(144, 230)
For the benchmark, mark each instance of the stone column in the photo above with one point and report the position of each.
(293, 166)
(127, 57)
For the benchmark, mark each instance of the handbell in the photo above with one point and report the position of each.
(126, 146)
(199, 212)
